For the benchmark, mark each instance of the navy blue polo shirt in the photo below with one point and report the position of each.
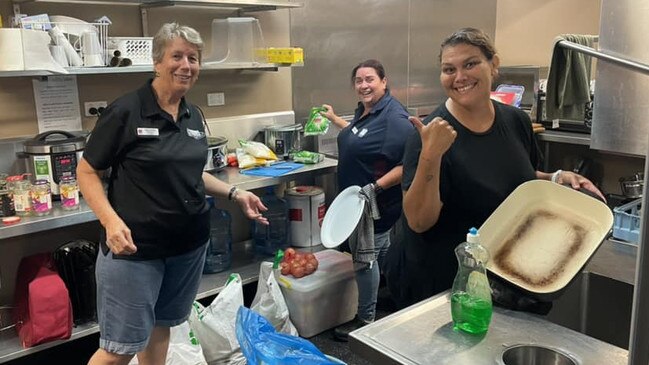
(371, 146)
(156, 183)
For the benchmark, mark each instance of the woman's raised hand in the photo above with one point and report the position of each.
(436, 136)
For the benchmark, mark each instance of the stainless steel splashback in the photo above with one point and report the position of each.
(621, 103)
(403, 34)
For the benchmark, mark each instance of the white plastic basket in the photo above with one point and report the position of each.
(137, 49)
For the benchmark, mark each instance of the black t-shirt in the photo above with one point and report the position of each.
(478, 172)
(156, 183)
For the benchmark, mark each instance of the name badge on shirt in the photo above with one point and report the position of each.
(362, 133)
(195, 134)
(148, 132)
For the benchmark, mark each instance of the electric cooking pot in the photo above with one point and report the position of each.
(216, 153)
(52, 155)
(283, 139)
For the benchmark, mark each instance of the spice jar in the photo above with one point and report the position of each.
(41, 197)
(69, 193)
(20, 189)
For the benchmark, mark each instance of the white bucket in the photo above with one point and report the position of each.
(306, 210)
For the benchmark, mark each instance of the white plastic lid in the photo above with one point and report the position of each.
(341, 218)
(473, 236)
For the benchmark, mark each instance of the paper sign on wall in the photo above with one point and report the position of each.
(57, 103)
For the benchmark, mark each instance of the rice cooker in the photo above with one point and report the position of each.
(52, 155)
(216, 153)
(283, 139)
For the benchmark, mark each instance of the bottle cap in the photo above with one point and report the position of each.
(473, 236)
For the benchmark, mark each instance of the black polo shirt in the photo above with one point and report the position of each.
(155, 184)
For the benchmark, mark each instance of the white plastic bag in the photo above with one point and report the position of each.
(215, 325)
(184, 348)
(269, 301)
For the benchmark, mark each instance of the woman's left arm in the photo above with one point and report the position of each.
(568, 177)
(391, 178)
(249, 203)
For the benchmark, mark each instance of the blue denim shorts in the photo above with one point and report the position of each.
(134, 296)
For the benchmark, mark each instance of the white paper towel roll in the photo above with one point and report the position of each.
(11, 50)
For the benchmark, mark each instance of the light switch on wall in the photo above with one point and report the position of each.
(215, 99)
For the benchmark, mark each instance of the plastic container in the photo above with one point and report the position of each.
(41, 197)
(69, 193)
(235, 40)
(626, 223)
(471, 306)
(326, 298)
(219, 252)
(276, 235)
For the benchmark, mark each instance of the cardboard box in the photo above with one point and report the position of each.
(325, 299)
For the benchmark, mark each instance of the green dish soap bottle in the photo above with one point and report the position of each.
(471, 306)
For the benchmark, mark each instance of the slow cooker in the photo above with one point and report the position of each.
(52, 155)
(216, 153)
(283, 139)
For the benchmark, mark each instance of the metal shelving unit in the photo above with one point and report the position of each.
(244, 5)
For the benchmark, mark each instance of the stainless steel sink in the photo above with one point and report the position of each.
(597, 306)
(532, 355)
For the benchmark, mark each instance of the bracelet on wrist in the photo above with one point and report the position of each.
(232, 194)
(555, 176)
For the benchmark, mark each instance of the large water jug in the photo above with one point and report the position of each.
(270, 238)
(471, 306)
(219, 250)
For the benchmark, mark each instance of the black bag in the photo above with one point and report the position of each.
(75, 262)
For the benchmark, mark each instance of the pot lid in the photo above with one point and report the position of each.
(285, 128)
(54, 142)
(216, 141)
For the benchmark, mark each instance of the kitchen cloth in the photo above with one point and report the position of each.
(274, 170)
(568, 88)
(361, 242)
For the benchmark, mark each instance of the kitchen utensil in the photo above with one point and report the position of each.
(542, 235)
(632, 185)
(283, 139)
(52, 155)
(342, 217)
(216, 151)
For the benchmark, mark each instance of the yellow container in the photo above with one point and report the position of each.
(286, 55)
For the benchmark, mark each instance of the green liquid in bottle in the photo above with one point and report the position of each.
(470, 314)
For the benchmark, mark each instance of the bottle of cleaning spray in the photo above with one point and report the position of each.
(471, 306)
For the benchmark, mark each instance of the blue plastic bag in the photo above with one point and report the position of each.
(261, 344)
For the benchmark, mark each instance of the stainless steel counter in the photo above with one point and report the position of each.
(62, 218)
(423, 334)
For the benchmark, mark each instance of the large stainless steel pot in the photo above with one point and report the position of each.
(216, 153)
(283, 139)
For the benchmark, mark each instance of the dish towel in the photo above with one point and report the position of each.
(361, 242)
(568, 88)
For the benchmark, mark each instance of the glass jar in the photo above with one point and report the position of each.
(3, 181)
(41, 197)
(69, 193)
(21, 189)
(6, 204)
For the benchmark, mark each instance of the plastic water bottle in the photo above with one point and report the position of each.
(471, 306)
(275, 236)
(219, 251)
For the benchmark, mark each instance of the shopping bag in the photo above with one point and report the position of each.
(184, 348)
(269, 300)
(214, 325)
(262, 344)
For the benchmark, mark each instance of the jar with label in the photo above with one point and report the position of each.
(69, 193)
(41, 197)
(20, 188)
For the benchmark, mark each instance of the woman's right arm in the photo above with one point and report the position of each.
(422, 202)
(331, 115)
(118, 235)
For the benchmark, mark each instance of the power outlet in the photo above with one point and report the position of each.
(94, 108)
(215, 99)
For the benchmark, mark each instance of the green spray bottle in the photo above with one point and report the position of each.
(471, 306)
